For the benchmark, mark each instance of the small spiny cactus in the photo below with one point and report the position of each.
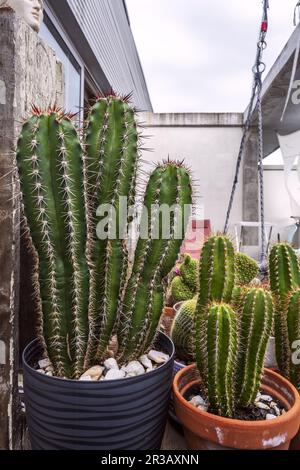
(182, 331)
(180, 291)
(246, 269)
(189, 271)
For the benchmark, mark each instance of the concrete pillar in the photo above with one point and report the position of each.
(29, 74)
(250, 189)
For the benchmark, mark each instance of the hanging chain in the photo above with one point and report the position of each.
(258, 69)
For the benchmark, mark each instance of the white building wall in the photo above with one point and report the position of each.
(278, 208)
(209, 144)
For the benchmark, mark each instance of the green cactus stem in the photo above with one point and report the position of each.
(221, 344)
(182, 331)
(156, 254)
(238, 297)
(49, 159)
(111, 169)
(284, 278)
(255, 323)
(189, 271)
(246, 269)
(180, 291)
(293, 328)
(216, 280)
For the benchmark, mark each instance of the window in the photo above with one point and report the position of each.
(73, 69)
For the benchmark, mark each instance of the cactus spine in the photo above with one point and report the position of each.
(182, 331)
(284, 278)
(49, 157)
(256, 321)
(111, 167)
(169, 186)
(216, 280)
(221, 344)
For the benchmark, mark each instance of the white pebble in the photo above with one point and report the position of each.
(114, 374)
(145, 361)
(41, 371)
(266, 398)
(274, 406)
(111, 363)
(197, 401)
(49, 373)
(262, 406)
(158, 357)
(258, 396)
(202, 407)
(270, 416)
(94, 373)
(134, 368)
(86, 378)
(43, 363)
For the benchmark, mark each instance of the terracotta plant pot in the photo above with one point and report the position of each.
(205, 431)
(295, 444)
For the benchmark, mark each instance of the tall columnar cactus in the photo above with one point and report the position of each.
(293, 327)
(111, 169)
(156, 253)
(182, 331)
(49, 158)
(76, 209)
(255, 326)
(220, 342)
(284, 278)
(216, 280)
(246, 269)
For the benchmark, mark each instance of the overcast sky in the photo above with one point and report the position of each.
(197, 55)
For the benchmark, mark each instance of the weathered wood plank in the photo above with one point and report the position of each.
(29, 74)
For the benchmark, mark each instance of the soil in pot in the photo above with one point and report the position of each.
(206, 431)
(265, 406)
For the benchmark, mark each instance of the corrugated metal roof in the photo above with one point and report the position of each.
(106, 27)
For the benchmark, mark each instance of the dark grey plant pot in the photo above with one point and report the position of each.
(126, 414)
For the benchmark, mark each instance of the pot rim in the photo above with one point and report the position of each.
(236, 423)
(117, 381)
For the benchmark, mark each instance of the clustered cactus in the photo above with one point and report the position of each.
(246, 269)
(186, 284)
(284, 276)
(230, 345)
(87, 288)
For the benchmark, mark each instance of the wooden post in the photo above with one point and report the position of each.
(29, 74)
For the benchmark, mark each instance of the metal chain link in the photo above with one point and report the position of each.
(258, 69)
